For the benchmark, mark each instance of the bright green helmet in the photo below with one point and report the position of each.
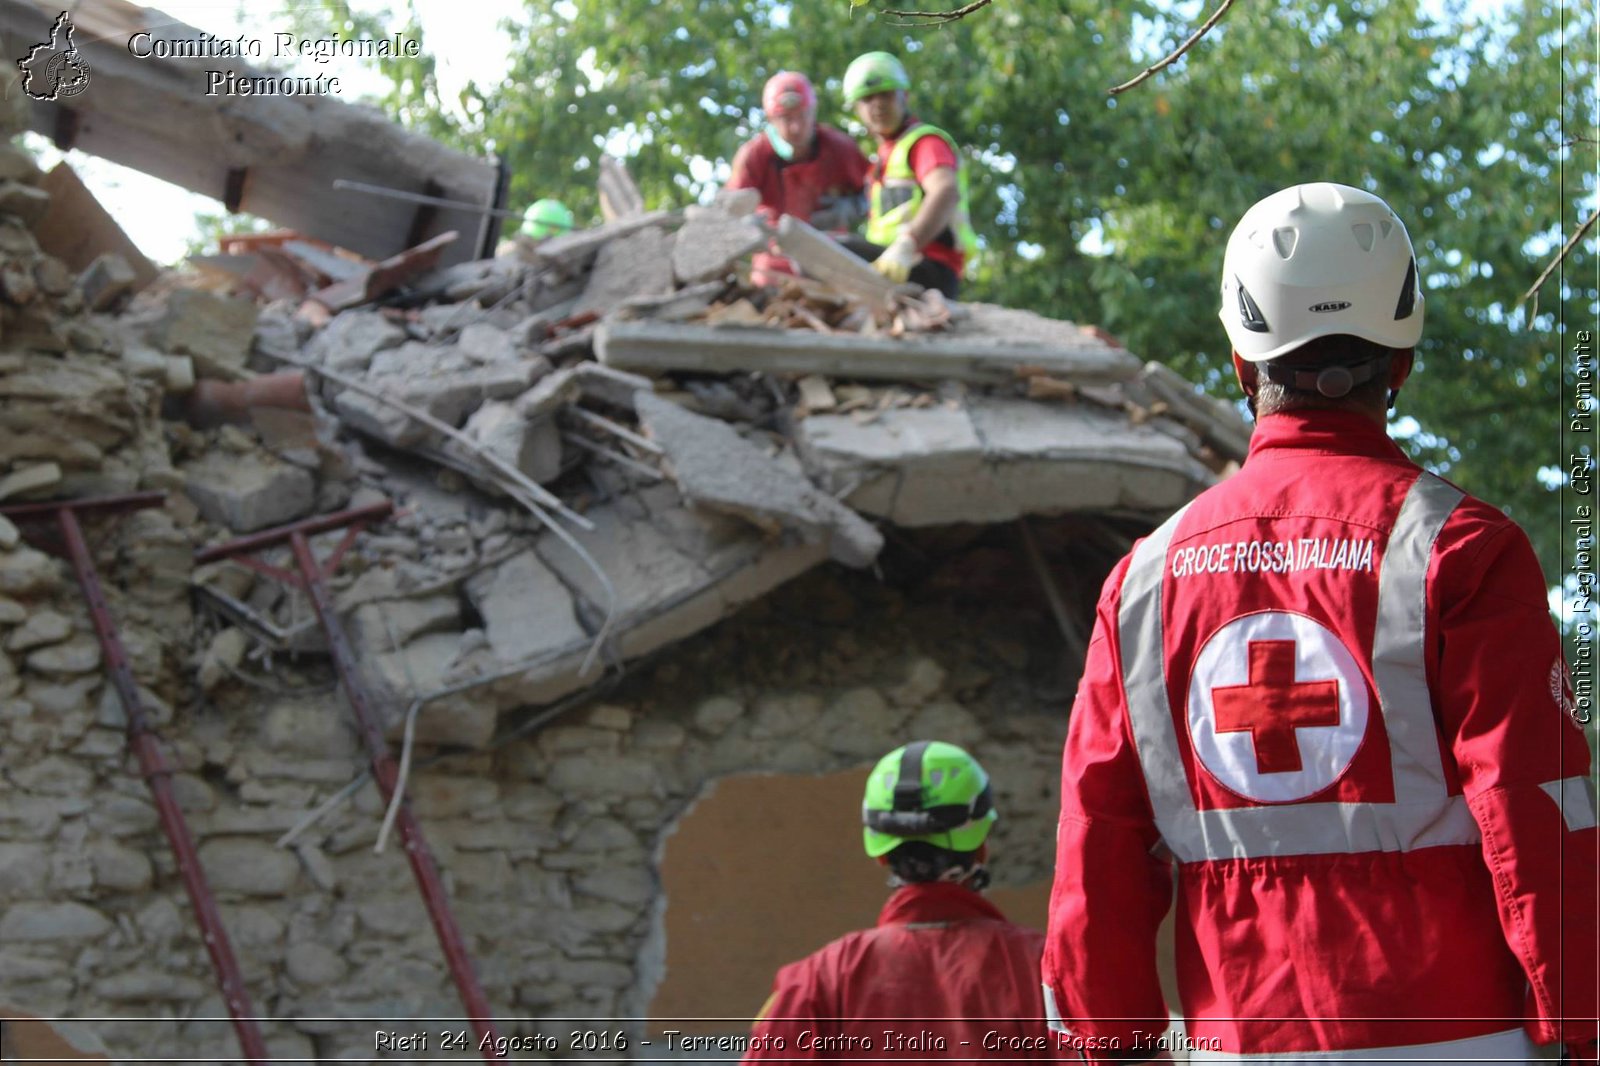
(547, 218)
(929, 791)
(874, 72)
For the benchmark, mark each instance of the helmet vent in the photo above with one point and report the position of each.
(1386, 227)
(1284, 238)
(1408, 294)
(1250, 316)
(1364, 235)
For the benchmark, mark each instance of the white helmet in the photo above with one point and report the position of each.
(1315, 260)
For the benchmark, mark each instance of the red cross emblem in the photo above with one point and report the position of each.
(1273, 705)
(1277, 706)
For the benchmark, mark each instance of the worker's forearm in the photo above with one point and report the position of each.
(934, 215)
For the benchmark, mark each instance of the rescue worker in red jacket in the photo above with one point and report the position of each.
(943, 975)
(812, 172)
(1330, 691)
(918, 218)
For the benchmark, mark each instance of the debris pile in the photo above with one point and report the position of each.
(598, 444)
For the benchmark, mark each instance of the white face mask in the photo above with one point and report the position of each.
(784, 149)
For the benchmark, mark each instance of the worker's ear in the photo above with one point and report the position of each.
(1247, 373)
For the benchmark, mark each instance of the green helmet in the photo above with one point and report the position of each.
(931, 791)
(871, 73)
(547, 218)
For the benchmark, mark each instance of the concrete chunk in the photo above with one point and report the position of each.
(250, 492)
(216, 331)
(719, 469)
(710, 243)
(823, 258)
(997, 460)
(532, 445)
(636, 265)
(525, 608)
(349, 342)
(105, 281)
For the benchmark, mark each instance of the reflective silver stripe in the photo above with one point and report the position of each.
(1575, 797)
(1423, 814)
(1144, 683)
(1052, 1013)
(1399, 667)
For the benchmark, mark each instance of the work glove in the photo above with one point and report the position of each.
(897, 260)
(839, 212)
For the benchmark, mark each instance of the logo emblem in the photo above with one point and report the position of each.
(1331, 305)
(55, 70)
(1277, 707)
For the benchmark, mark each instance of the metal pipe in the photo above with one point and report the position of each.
(158, 775)
(419, 198)
(386, 774)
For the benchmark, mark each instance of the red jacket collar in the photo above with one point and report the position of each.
(936, 901)
(1324, 432)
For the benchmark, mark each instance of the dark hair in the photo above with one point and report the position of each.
(1339, 349)
(917, 861)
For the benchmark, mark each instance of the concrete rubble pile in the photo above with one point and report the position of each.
(551, 492)
(598, 446)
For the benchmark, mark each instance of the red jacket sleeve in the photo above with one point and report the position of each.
(752, 169)
(1505, 708)
(1100, 971)
(797, 999)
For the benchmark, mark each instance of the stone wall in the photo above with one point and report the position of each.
(550, 843)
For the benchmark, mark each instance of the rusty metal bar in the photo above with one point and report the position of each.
(309, 527)
(152, 760)
(313, 578)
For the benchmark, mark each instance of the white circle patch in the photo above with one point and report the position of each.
(1277, 706)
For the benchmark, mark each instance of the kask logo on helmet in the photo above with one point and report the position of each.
(1331, 305)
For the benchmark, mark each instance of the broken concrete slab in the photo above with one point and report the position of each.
(250, 491)
(216, 331)
(717, 468)
(1217, 422)
(482, 343)
(348, 343)
(608, 385)
(710, 243)
(658, 346)
(441, 381)
(526, 610)
(996, 460)
(573, 252)
(639, 264)
(823, 258)
(531, 445)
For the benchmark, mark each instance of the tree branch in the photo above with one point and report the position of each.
(1566, 248)
(937, 18)
(1173, 58)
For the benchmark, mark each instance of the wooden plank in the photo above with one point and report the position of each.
(154, 115)
(77, 230)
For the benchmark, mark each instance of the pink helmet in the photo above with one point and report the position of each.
(787, 91)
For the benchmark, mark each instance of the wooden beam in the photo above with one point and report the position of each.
(155, 115)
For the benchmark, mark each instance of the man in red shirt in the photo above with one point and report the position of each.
(812, 172)
(918, 224)
(943, 975)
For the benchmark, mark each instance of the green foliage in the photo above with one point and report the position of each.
(1460, 124)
